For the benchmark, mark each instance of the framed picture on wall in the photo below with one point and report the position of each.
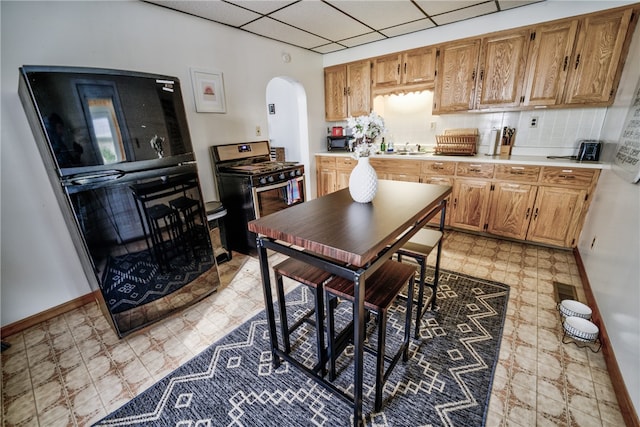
(208, 91)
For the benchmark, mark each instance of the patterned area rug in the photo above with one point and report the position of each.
(446, 381)
(135, 279)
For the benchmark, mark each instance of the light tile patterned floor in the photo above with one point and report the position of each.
(73, 370)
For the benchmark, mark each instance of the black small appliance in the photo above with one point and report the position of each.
(589, 151)
(338, 143)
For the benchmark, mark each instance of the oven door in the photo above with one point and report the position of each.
(274, 198)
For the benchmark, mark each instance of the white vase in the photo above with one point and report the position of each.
(363, 181)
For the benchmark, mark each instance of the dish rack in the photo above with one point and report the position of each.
(458, 145)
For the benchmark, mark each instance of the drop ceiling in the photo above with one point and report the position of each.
(325, 26)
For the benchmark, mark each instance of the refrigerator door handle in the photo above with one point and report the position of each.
(94, 177)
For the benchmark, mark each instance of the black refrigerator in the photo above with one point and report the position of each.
(118, 153)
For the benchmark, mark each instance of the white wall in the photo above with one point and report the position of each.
(39, 266)
(613, 263)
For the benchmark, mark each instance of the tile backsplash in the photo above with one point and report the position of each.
(558, 132)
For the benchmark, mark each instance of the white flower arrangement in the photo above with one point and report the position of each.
(365, 129)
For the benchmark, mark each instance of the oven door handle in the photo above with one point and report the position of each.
(275, 186)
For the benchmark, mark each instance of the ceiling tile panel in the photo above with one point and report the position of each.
(217, 11)
(321, 19)
(363, 39)
(380, 14)
(467, 13)
(410, 27)
(279, 31)
(433, 8)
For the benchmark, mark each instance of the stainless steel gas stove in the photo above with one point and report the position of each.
(252, 185)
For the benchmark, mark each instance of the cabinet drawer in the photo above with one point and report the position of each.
(438, 168)
(568, 176)
(329, 162)
(478, 170)
(407, 167)
(346, 163)
(517, 173)
(439, 180)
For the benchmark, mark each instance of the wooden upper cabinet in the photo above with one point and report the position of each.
(335, 93)
(347, 90)
(386, 71)
(456, 66)
(502, 69)
(407, 71)
(419, 66)
(596, 63)
(548, 62)
(359, 88)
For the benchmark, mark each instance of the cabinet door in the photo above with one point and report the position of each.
(502, 69)
(326, 181)
(456, 79)
(335, 93)
(470, 202)
(511, 208)
(386, 71)
(594, 66)
(548, 63)
(359, 88)
(419, 66)
(556, 214)
(439, 180)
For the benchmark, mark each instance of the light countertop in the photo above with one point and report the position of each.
(481, 158)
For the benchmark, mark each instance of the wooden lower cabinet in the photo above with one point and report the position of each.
(556, 215)
(511, 208)
(333, 173)
(469, 204)
(541, 204)
(326, 175)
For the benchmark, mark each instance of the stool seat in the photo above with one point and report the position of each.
(314, 278)
(419, 246)
(302, 272)
(381, 290)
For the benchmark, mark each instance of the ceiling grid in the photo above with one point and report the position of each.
(326, 26)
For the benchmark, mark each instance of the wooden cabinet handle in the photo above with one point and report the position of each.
(398, 69)
(526, 215)
(577, 61)
(566, 61)
(517, 170)
(455, 202)
(535, 214)
(567, 176)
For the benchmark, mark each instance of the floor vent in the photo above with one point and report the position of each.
(564, 291)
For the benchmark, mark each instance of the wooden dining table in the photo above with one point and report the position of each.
(348, 239)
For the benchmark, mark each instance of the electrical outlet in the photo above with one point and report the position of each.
(433, 125)
(534, 122)
(258, 131)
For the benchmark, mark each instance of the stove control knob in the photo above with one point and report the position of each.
(263, 181)
(281, 176)
(298, 172)
(292, 174)
(270, 179)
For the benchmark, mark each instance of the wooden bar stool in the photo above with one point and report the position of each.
(315, 279)
(419, 247)
(381, 289)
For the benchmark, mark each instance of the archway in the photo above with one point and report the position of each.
(287, 122)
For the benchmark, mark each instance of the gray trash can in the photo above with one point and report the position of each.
(215, 214)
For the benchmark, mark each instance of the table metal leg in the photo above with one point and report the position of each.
(268, 300)
(358, 342)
